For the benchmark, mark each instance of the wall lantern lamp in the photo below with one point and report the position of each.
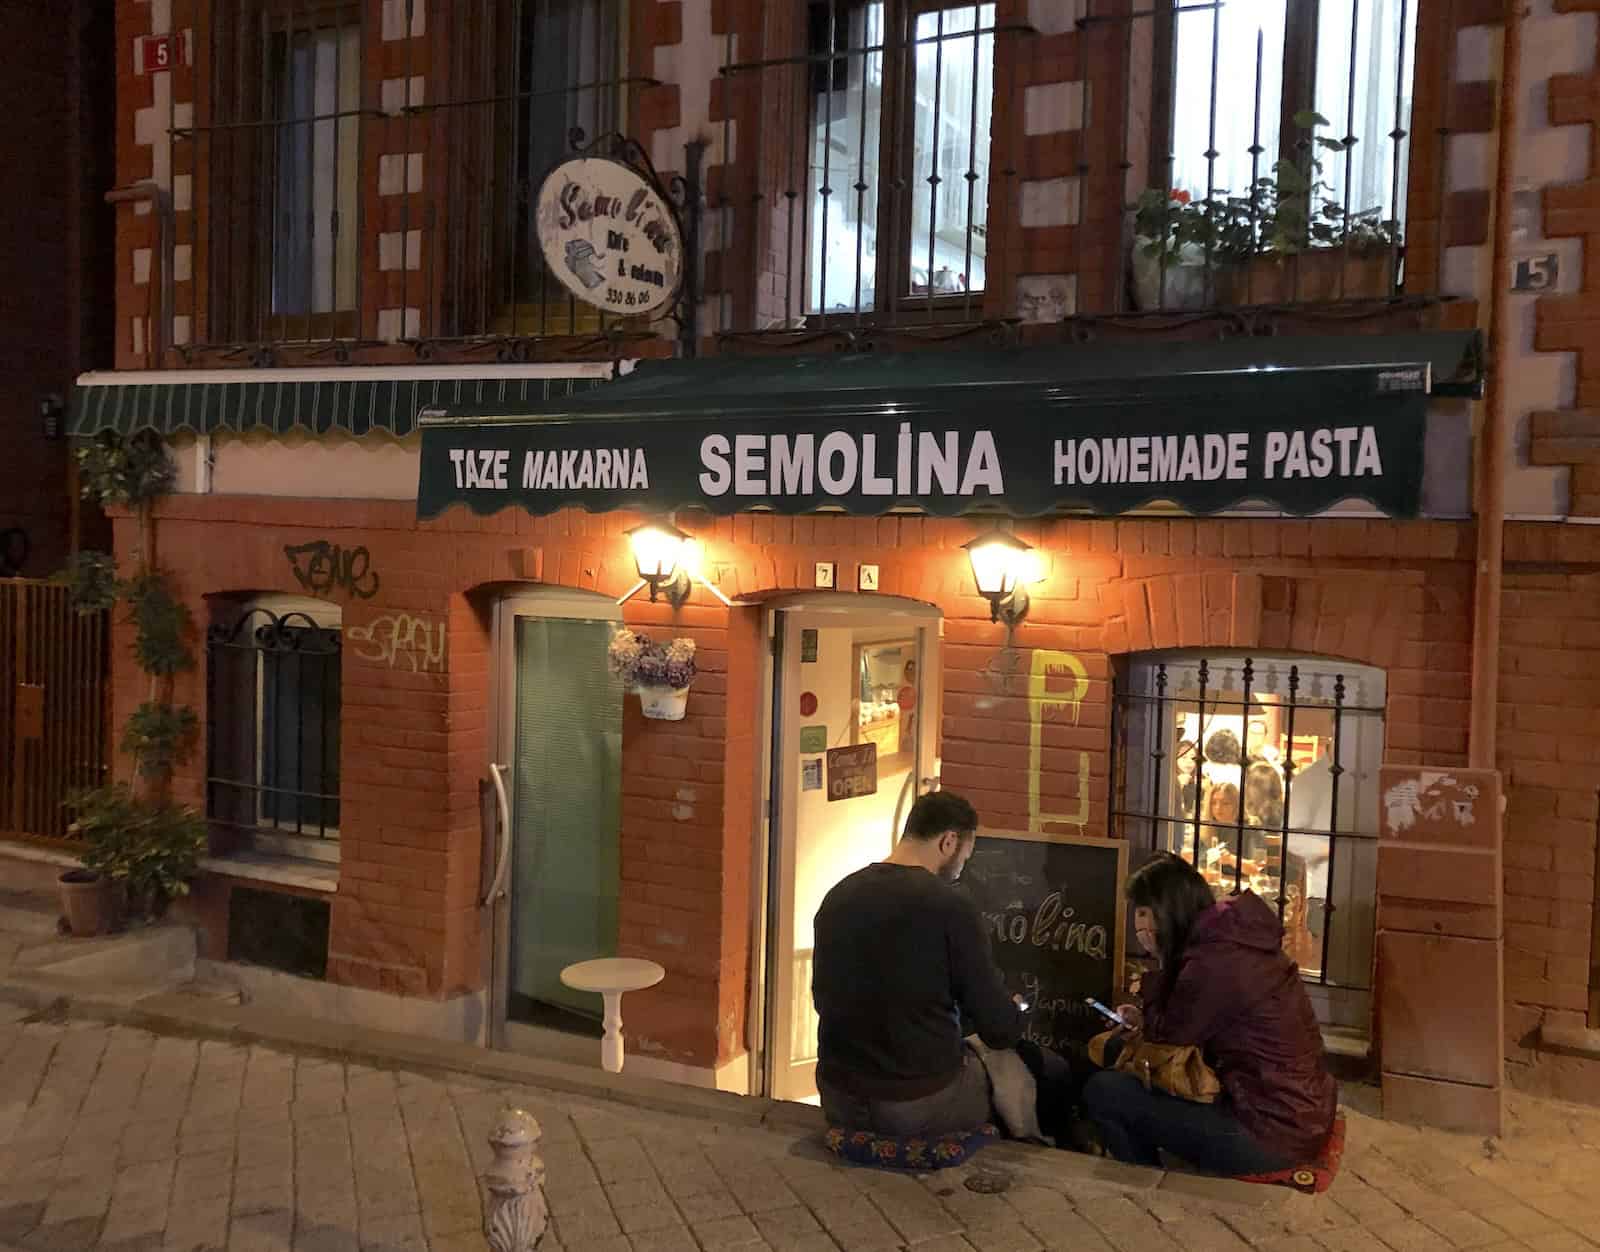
(1003, 566)
(659, 551)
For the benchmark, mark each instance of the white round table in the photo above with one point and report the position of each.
(611, 976)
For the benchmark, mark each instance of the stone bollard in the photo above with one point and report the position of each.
(517, 1215)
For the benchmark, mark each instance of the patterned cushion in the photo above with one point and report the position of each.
(862, 1147)
(1317, 1176)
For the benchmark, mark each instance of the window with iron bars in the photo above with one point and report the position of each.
(1263, 772)
(891, 177)
(277, 160)
(1282, 127)
(530, 80)
(273, 707)
(287, 110)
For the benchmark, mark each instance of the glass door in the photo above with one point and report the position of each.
(562, 724)
(854, 736)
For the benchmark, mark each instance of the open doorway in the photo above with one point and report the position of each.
(853, 735)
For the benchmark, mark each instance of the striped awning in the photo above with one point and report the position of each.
(355, 400)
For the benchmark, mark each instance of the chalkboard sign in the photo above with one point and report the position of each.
(1054, 911)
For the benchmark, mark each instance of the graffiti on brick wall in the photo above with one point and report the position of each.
(1433, 798)
(400, 640)
(1057, 684)
(321, 567)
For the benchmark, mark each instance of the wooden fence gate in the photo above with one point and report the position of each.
(53, 706)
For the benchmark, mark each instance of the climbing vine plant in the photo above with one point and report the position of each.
(142, 837)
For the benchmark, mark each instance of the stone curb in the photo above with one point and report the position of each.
(192, 1017)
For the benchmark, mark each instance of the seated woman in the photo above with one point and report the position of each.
(1225, 986)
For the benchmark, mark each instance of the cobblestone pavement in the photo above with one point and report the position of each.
(115, 1138)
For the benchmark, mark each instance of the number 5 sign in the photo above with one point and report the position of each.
(1535, 273)
(156, 53)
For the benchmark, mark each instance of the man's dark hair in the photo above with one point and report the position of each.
(940, 811)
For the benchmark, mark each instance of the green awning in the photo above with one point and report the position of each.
(355, 400)
(1452, 361)
(1300, 423)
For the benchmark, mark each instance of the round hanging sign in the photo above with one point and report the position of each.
(610, 236)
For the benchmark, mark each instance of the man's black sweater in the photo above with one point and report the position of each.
(900, 957)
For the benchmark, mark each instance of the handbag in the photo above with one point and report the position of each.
(1177, 1069)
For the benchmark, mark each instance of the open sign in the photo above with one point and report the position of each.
(852, 771)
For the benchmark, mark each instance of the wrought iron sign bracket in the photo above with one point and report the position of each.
(680, 191)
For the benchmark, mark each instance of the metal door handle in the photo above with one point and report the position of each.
(497, 886)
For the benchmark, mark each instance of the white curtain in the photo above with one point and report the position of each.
(1234, 32)
(1383, 58)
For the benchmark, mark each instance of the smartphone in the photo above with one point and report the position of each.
(1104, 1012)
(1024, 1005)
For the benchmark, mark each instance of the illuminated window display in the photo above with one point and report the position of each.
(1263, 772)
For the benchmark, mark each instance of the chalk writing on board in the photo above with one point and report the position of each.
(1050, 926)
(1051, 906)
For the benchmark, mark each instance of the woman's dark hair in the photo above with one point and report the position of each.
(1263, 796)
(1175, 892)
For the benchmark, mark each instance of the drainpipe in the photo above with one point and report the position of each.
(1492, 442)
(158, 339)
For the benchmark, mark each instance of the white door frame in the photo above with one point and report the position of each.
(527, 601)
(774, 876)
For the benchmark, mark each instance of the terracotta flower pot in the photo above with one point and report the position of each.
(88, 901)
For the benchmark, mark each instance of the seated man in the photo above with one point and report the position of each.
(900, 956)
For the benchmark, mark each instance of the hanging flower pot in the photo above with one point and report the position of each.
(664, 704)
(661, 674)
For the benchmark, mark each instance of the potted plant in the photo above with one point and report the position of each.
(148, 848)
(660, 674)
(89, 902)
(1178, 246)
(1306, 245)
(138, 844)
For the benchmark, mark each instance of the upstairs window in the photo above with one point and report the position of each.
(1246, 74)
(898, 179)
(316, 85)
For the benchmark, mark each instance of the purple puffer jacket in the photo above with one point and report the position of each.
(1240, 999)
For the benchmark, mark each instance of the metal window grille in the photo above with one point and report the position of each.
(899, 137)
(273, 708)
(883, 194)
(305, 153)
(1284, 125)
(1207, 753)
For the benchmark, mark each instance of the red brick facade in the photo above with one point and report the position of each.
(1397, 595)
(1390, 594)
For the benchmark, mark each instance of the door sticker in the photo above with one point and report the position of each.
(811, 775)
(813, 739)
(808, 646)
